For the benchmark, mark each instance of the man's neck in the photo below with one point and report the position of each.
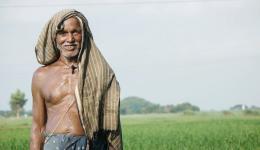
(69, 64)
(68, 61)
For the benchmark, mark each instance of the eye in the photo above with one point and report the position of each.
(62, 33)
(76, 33)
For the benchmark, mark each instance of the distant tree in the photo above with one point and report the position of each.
(184, 107)
(255, 107)
(137, 105)
(5, 113)
(239, 107)
(17, 102)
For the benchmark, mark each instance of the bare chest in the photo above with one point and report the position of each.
(59, 85)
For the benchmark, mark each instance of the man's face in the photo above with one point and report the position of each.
(69, 39)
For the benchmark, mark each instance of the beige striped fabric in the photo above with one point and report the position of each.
(98, 90)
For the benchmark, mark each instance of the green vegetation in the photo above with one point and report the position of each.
(197, 132)
(14, 133)
(137, 105)
(181, 131)
(17, 102)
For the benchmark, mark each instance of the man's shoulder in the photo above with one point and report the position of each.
(40, 73)
(44, 71)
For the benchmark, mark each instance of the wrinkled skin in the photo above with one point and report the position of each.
(53, 89)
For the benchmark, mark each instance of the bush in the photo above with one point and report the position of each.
(227, 113)
(251, 112)
(189, 113)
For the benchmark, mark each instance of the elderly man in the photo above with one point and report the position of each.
(75, 94)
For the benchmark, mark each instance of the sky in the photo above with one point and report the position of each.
(206, 52)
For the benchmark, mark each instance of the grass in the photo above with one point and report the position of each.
(201, 131)
(191, 132)
(14, 134)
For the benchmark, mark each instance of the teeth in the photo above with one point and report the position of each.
(70, 47)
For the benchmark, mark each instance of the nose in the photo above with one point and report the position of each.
(70, 38)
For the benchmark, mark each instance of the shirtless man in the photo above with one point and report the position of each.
(56, 120)
(53, 89)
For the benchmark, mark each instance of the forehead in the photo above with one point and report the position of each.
(71, 22)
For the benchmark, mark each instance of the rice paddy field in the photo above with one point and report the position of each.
(203, 131)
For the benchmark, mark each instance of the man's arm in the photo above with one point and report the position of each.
(38, 113)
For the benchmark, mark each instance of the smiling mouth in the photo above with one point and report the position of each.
(70, 47)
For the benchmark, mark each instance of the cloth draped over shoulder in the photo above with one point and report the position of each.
(98, 90)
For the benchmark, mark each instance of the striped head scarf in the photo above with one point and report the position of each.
(97, 91)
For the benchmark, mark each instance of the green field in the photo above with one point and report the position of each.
(201, 131)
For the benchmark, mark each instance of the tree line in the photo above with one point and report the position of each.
(129, 105)
(137, 105)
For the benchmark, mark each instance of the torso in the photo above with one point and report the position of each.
(58, 91)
